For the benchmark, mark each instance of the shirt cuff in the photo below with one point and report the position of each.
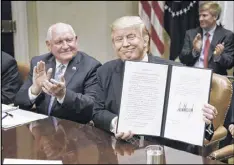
(113, 124)
(61, 100)
(31, 96)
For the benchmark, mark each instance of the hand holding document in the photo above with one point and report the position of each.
(164, 100)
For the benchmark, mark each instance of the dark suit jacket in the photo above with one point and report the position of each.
(220, 63)
(109, 89)
(107, 102)
(80, 78)
(11, 80)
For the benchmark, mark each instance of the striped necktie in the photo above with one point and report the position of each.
(57, 75)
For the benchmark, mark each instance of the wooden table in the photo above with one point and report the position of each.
(56, 139)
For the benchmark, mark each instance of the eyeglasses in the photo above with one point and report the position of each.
(7, 114)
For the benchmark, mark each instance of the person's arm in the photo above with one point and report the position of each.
(102, 117)
(81, 104)
(226, 58)
(188, 55)
(22, 98)
(11, 83)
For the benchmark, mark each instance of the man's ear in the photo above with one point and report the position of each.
(76, 38)
(48, 46)
(146, 40)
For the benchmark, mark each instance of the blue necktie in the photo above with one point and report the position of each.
(57, 75)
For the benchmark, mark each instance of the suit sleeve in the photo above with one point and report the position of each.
(22, 97)
(188, 56)
(226, 59)
(11, 82)
(101, 116)
(209, 132)
(81, 104)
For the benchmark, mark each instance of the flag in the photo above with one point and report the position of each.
(179, 16)
(167, 23)
(151, 12)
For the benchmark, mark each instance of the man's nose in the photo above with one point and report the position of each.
(200, 18)
(65, 45)
(125, 42)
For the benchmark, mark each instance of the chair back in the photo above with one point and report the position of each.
(220, 97)
(23, 70)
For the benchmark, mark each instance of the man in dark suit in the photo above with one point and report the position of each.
(130, 40)
(11, 80)
(210, 45)
(70, 93)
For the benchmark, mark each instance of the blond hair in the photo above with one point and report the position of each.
(212, 7)
(131, 21)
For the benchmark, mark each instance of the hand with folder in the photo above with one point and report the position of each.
(120, 135)
(209, 114)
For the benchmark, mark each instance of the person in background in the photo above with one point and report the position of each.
(11, 80)
(61, 83)
(210, 45)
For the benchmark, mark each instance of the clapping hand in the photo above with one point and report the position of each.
(55, 88)
(219, 49)
(39, 76)
(197, 43)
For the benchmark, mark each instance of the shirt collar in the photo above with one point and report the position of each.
(59, 63)
(211, 31)
(145, 59)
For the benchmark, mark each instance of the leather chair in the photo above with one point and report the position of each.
(226, 153)
(23, 70)
(220, 97)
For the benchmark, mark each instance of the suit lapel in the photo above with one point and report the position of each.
(118, 82)
(50, 64)
(215, 40)
(72, 68)
(151, 59)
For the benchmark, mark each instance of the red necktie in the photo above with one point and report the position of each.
(206, 50)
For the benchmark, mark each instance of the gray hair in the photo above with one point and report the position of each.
(58, 25)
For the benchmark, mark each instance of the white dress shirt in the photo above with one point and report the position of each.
(200, 61)
(32, 97)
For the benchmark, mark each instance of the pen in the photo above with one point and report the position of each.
(7, 114)
(4, 116)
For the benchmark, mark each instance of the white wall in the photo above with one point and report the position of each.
(90, 20)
